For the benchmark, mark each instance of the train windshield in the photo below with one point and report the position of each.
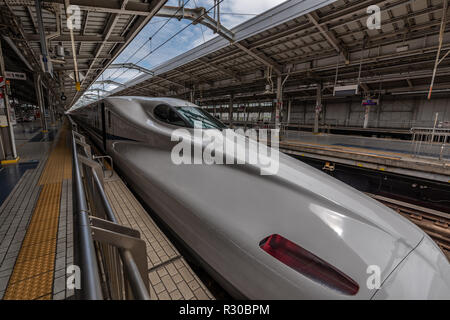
(198, 118)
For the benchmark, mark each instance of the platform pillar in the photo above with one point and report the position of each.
(378, 111)
(7, 141)
(40, 99)
(279, 103)
(51, 108)
(288, 119)
(230, 112)
(318, 107)
(366, 117)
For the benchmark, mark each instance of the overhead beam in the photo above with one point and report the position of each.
(193, 78)
(87, 56)
(80, 68)
(110, 25)
(151, 9)
(109, 82)
(198, 15)
(78, 38)
(33, 20)
(410, 84)
(261, 57)
(365, 87)
(131, 66)
(171, 81)
(221, 69)
(103, 6)
(85, 22)
(329, 36)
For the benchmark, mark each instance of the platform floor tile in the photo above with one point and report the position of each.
(170, 276)
(35, 260)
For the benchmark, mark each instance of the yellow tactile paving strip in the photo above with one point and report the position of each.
(33, 272)
(59, 164)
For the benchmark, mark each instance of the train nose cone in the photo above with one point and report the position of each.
(423, 274)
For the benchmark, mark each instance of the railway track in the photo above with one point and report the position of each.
(435, 223)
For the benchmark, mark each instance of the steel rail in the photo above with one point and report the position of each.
(434, 223)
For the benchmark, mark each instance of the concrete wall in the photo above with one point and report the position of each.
(393, 112)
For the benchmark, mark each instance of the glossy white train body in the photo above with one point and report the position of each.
(328, 240)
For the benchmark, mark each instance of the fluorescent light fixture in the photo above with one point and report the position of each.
(345, 90)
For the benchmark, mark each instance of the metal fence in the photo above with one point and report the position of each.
(430, 142)
(112, 258)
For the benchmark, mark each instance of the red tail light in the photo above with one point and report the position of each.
(308, 264)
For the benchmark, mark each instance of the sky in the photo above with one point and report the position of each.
(150, 54)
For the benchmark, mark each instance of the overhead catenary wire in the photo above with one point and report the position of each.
(174, 35)
(180, 31)
(170, 38)
(149, 39)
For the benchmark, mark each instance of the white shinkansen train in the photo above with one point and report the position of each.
(296, 234)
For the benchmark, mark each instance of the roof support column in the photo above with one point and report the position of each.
(318, 107)
(51, 107)
(279, 103)
(288, 119)
(43, 40)
(40, 99)
(378, 111)
(278, 108)
(366, 117)
(7, 141)
(230, 111)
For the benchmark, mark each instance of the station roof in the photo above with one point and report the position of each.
(310, 42)
(106, 28)
(306, 42)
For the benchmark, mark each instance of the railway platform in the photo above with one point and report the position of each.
(41, 234)
(389, 155)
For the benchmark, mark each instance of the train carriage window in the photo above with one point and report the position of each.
(187, 116)
(199, 118)
(109, 119)
(165, 113)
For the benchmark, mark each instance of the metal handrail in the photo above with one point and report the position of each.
(132, 274)
(136, 282)
(110, 160)
(85, 254)
(431, 141)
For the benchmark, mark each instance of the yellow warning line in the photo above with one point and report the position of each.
(59, 165)
(33, 273)
(10, 161)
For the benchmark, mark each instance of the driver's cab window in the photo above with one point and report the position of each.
(165, 113)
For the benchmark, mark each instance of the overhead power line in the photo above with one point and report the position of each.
(149, 39)
(174, 35)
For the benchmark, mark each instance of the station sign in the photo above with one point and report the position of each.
(370, 102)
(16, 75)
